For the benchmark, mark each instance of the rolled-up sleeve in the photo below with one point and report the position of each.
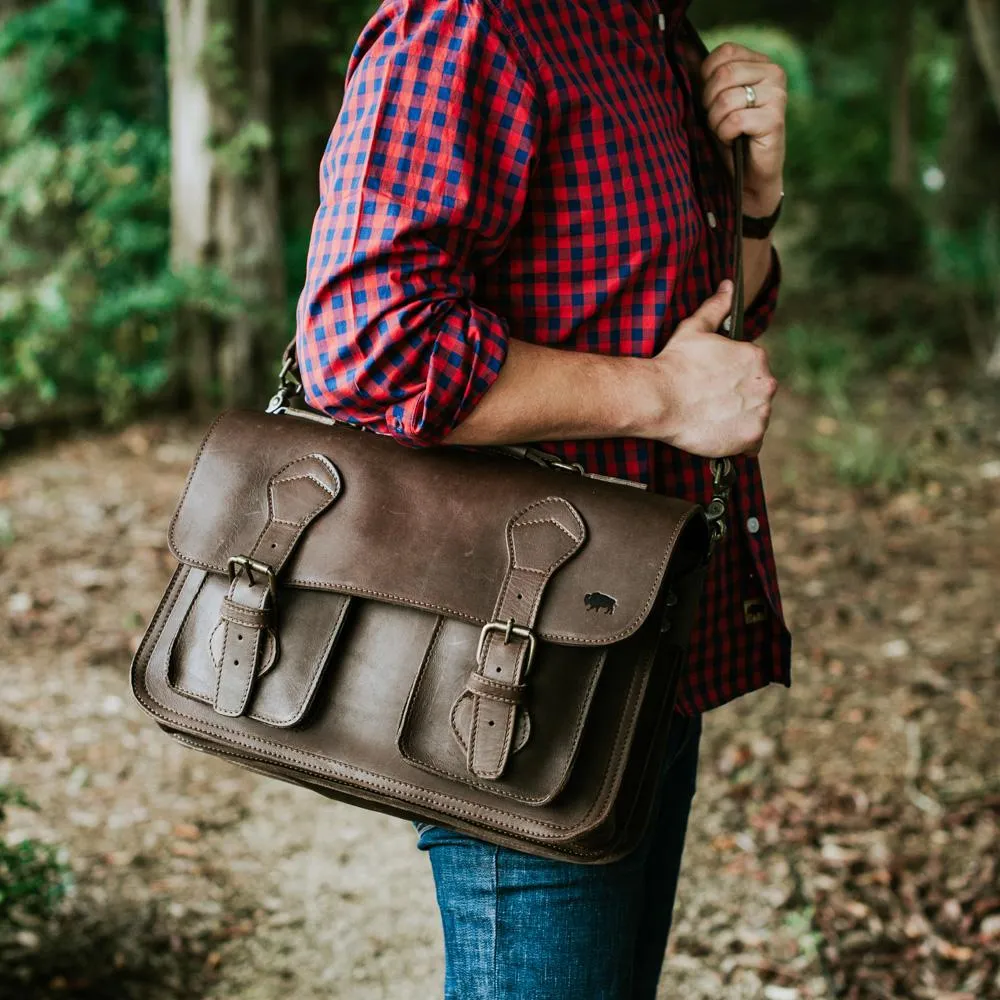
(761, 311)
(424, 177)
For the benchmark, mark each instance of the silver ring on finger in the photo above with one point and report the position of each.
(751, 96)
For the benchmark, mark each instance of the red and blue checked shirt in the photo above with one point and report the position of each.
(540, 170)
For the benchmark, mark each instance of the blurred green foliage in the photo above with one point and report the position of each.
(86, 293)
(828, 366)
(32, 879)
(89, 304)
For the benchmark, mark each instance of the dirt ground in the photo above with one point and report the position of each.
(844, 839)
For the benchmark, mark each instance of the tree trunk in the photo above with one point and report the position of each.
(304, 65)
(971, 163)
(984, 29)
(224, 195)
(191, 170)
(984, 24)
(901, 172)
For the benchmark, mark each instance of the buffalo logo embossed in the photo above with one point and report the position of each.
(600, 602)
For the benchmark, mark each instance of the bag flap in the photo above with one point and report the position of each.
(426, 528)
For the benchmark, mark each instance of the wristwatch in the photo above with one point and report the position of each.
(760, 229)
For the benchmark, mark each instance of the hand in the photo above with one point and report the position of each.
(715, 393)
(727, 72)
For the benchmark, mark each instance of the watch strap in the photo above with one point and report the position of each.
(761, 228)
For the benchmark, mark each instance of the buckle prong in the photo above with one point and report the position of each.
(245, 564)
(509, 631)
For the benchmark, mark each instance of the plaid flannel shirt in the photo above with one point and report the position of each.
(544, 171)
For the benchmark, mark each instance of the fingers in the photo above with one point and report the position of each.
(768, 78)
(727, 53)
(770, 98)
(755, 122)
(728, 72)
(712, 313)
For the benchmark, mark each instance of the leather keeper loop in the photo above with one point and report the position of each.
(510, 694)
(240, 614)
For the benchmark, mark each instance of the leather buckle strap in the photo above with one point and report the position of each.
(245, 642)
(540, 539)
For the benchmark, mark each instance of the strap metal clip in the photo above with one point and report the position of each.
(289, 385)
(574, 467)
(723, 480)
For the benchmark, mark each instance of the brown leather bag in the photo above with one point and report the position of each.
(487, 642)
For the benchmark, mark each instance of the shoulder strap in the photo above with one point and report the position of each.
(723, 469)
(738, 151)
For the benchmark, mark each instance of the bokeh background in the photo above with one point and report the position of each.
(154, 218)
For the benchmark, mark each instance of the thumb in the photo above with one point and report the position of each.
(712, 313)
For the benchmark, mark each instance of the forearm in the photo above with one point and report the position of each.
(756, 267)
(758, 255)
(548, 394)
(704, 394)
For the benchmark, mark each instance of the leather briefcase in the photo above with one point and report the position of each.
(487, 642)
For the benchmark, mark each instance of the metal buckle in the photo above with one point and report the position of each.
(251, 566)
(574, 467)
(509, 630)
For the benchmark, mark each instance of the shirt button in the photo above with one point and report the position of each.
(713, 222)
(753, 525)
(662, 19)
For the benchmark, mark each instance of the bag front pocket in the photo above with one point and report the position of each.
(291, 667)
(438, 716)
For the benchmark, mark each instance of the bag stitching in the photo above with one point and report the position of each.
(187, 485)
(333, 494)
(252, 761)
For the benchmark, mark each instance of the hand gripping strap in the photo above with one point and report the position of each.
(540, 539)
(296, 495)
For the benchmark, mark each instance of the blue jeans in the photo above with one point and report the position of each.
(517, 927)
